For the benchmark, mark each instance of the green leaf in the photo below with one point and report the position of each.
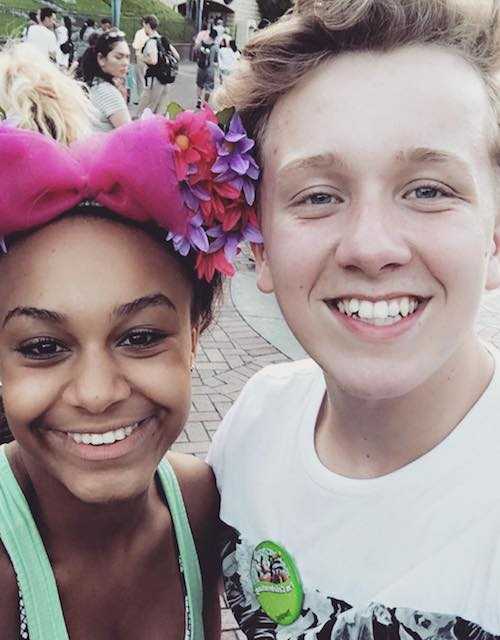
(173, 110)
(3, 115)
(224, 116)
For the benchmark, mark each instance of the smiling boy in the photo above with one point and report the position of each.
(370, 471)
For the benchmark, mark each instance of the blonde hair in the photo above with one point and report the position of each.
(278, 57)
(41, 97)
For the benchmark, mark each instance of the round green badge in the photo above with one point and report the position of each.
(276, 582)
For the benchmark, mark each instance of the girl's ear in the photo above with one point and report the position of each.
(493, 272)
(264, 277)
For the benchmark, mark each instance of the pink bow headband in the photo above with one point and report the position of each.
(187, 175)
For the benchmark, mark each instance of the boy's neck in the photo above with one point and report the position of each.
(367, 439)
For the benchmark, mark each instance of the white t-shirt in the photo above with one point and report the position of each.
(413, 555)
(43, 39)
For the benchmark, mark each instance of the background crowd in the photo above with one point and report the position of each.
(120, 82)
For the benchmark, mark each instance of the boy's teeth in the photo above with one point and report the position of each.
(382, 312)
(110, 437)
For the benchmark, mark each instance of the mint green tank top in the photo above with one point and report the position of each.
(37, 585)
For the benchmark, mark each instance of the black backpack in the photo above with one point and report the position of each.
(167, 67)
(203, 58)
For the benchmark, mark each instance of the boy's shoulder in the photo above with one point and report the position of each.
(286, 375)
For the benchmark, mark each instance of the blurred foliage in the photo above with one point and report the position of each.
(13, 15)
(273, 9)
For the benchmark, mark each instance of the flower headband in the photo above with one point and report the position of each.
(192, 175)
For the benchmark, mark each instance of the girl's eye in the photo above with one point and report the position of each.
(142, 338)
(41, 349)
(428, 192)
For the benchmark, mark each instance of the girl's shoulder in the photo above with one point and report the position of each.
(198, 488)
(9, 600)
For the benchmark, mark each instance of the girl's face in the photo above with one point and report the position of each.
(116, 62)
(96, 345)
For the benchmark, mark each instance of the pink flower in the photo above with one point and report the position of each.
(192, 140)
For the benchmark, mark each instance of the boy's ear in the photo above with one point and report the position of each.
(493, 273)
(264, 277)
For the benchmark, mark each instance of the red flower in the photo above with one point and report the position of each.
(208, 263)
(192, 140)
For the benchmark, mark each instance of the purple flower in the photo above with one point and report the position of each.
(232, 147)
(195, 237)
(229, 241)
(192, 195)
(245, 182)
(252, 234)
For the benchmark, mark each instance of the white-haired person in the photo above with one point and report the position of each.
(36, 95)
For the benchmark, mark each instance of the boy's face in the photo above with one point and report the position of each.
(378, 200)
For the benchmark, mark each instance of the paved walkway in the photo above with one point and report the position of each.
(234, 349)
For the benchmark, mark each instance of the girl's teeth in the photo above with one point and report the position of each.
(382, 312)
(110, 437)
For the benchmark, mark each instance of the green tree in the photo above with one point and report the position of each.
(273, 9)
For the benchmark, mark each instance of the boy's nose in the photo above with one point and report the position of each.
(373, 242)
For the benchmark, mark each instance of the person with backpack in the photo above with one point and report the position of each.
(206, 59)
(162, 62)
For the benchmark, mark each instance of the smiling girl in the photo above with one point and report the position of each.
(102, 536)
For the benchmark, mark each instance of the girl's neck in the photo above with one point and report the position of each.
(367, 439)
(66, 522)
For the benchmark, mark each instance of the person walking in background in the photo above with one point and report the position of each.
(32, 19)
(206, 59)
(87, 30)
(140, 40)
(42, 35)
(105, 25)
(36, 95)
(104, 68)
(66, 48)
(228, 57)
(155, 55)
(220, 30)
(203, 34)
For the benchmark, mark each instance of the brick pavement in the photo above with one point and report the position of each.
(230, 352)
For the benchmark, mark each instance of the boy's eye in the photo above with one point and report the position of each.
(142, 338)
(320, 198)
(41, 348)
(427, 192)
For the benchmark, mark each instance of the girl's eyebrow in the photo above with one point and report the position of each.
(126, 309)
(153, 300)
(34, 312)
